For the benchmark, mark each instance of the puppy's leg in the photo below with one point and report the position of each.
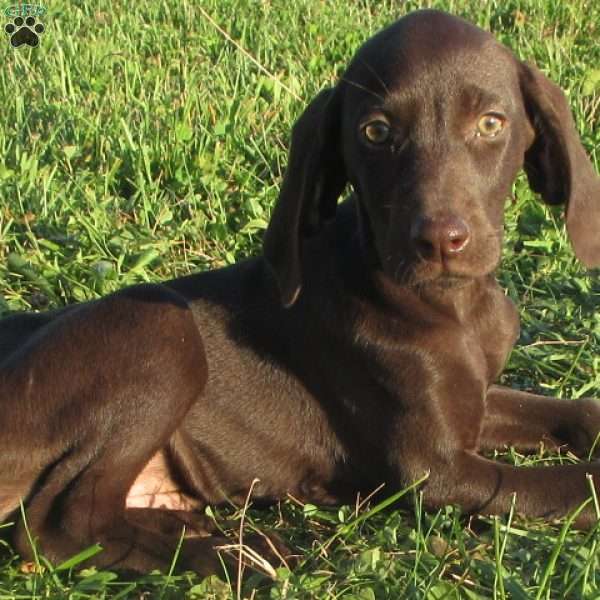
(523, 420)
(458, 475)
(87, 402)
(479, 485)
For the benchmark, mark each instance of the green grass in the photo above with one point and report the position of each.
(139, 145)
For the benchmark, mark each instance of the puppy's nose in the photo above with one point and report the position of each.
(442, 237)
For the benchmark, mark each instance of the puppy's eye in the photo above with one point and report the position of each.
(377, 132)
(490, 125)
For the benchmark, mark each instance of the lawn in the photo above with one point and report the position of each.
(144, 143)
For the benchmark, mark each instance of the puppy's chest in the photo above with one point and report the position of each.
(497, 330)
(404, 355)
(437, 347)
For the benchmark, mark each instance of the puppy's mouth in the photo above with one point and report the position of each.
(444, 281)
(443, 274)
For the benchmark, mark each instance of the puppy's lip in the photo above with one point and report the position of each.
(445, 273)
(444, 278)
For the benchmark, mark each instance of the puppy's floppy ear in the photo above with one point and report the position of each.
(557, 166)
(314, 179)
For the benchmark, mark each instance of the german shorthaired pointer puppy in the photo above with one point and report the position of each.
(361, 348)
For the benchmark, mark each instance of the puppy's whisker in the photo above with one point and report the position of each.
(374, 73)
(363, 88)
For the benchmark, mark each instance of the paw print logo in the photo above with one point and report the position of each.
(24, 31)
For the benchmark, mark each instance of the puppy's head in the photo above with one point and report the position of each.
(431, 123)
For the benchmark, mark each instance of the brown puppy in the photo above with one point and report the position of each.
(360, 349)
